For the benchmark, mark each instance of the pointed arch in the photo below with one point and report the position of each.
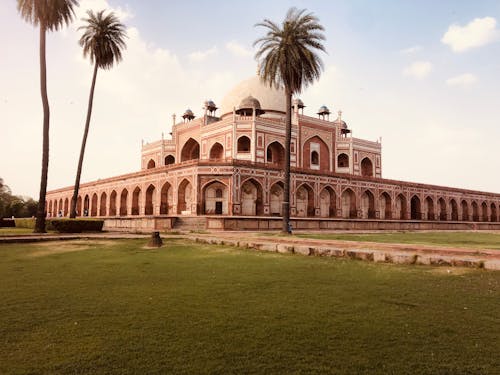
(475, 211)
(316, 154)
(150, 200)
(484, 211)
(136, 199)
(366, 167)
(327, 202)
(429, 209)
(304, 201)
(112, 203)
(151, 164)
(465, 210)
(385, 206)
(400, 206)
(190, 150)
(349, 209)
(494, 214)
(252, 202)
(93, 206)
(415, 208)
(216, 151)
(367, 205)
(215, 198)
(454, 209)
(343, 161)
(244, 144)
(66, 207)
(184, 196)
(86, 205)
(275, 154)
(79, 206)
(103, 204)
(169, 159)
(276, 198)
(123, 203)
(443, 215)
(166, 199)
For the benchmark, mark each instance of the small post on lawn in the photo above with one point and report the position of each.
(155, 240)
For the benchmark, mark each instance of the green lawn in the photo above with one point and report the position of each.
(11, 231)
(474, 240)
(113, 307)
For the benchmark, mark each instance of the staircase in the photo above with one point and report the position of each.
(189, 223)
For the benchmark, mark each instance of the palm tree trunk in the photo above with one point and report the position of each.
(288, 139)
(40, 213)
(84, 142)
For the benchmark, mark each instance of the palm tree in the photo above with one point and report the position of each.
(49, 15)
(103, 40)
(287, 58)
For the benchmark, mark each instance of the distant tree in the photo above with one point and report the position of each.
(49, 15)
(287, 57)
(103, 40)
(13, 205)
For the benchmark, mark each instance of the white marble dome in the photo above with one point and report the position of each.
(269, 98)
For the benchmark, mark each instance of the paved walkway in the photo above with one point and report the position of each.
(369, 251)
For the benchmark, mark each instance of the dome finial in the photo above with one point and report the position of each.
(340, 114)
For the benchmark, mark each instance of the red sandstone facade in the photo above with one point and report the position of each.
(232, 165)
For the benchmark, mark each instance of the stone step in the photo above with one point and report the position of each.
(190, 223)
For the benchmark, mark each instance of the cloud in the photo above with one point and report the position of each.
(477, 33)
(198, 56)
(238, 50)
(466, 79)
(411, 50)
(419, 69)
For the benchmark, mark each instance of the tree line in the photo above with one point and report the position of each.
(15, 205)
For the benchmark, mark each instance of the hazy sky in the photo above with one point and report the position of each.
(423, 75)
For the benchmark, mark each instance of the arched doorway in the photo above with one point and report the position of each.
(454, 210)
(429, 208)
(167, 199)
(102, 206)
(276, 199)
(465, 211)
(151, 164)
(494, 215)
(304, 201)
(123, 203)
(366, 167)
(184, 197)
(400, 207)
(251, 198)
(93, 207)
(475, 211)
(484, 211)
(169, 159)
(216, 152)
(442, 209)
(367, 205)
(215, 199)
(190, 150)
(66, 207)
(415, 208)
(112, 203)
(275, 154)
(327, 202)
(349, 210)
(150, 200)
(385, 209)
(86, 205)
(343, 161)
(79, 206)
(243, 144)
(136, 199)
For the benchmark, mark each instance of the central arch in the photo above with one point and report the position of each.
(243, 144)
(136, 198)
(150, 200)
(494, 215)
(415, 208)
(215, 196)
(190, 150)
(251, 198)
(454, 210)
(400, 207)
(304, 201)
(465, 210)
(112, 203)
(385, 206)
(167, 199)
(484, 212)
(93, 206)
(123, 203)
(429, 208)
(442, 209)
(103, 206)
(169, 159)
(475, 211)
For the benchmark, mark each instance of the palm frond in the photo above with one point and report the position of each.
(52, 14)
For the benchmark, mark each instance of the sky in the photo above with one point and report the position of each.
(423, 75)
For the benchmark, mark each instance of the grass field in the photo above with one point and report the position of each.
(113, 307)
(474, 240)
(11, 231)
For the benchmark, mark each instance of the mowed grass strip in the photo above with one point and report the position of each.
(113, 307)
(472, 240)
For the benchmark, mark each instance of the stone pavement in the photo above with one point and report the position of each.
(368, 251)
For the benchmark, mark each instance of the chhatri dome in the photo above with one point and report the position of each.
(270, 99)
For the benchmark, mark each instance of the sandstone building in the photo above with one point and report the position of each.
(225, 168)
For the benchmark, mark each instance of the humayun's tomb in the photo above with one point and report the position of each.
(224, 170)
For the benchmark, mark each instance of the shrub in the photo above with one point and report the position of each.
(25, 223)
(76, 225)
